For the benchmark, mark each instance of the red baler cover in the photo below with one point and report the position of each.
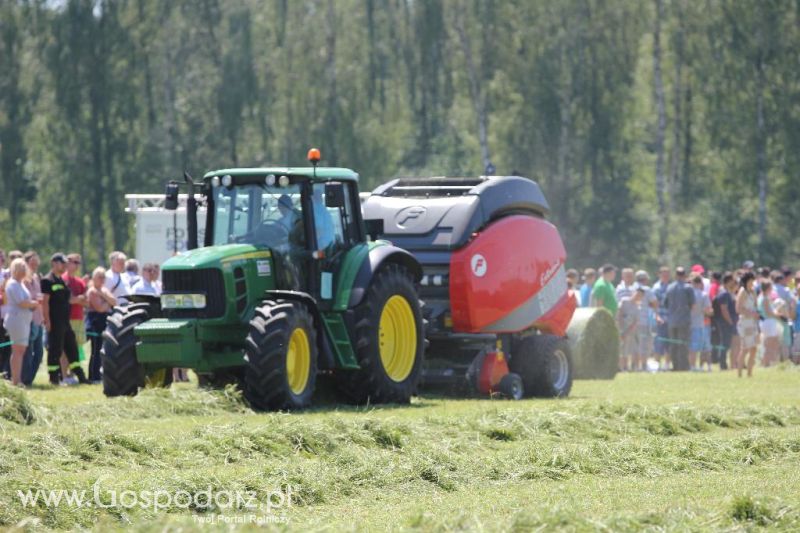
(511, 277)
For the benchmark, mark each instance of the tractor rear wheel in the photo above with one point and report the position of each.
(389, 340)
(281, 357)
(122, 373)
(544, 364)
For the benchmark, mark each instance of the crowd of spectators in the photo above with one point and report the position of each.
(692, 320)
(59, 309)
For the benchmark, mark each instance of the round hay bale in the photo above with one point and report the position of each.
(594, 341)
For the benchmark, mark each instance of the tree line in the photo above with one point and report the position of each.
(660, 130)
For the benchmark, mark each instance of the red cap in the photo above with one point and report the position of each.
(698, 269)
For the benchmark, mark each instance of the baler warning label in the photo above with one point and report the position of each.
(263, 268)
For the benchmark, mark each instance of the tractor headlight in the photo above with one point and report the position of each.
(183, 301)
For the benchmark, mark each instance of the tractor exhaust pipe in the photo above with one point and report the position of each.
(191, 214)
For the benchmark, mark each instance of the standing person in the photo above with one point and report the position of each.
(115, 279)
(628, 323)
(56, 307)
(589, 278)
(661, 347)
(796, 328)
(747, 309)
(146, 284)
(131, 273)
(5, 346)
(724, 322)
(770, 326)
(101, 302)
(77, 288)
(788, 310)
(33, 357)
(603, 290)
(679, 301)
(700, 343)
(716, 285)
(19, 314)
(626, 285)
(699, 270)
(647, 310)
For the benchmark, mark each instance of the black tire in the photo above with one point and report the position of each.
(267, 380)
(372, 382)
(544, 364)
(511, 386)
(122, 373)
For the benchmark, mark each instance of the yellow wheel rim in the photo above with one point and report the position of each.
(298, 361)
(397, 336)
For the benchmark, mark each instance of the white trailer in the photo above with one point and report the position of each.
(160, 234)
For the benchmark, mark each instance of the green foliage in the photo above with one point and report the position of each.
(101, 97)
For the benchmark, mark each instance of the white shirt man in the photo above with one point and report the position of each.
(115, 277)
(147, 283)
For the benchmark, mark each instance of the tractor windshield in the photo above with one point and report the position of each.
(258, 214)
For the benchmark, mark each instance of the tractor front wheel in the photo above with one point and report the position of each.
(389, 340)
(281, 356)
(122, 373)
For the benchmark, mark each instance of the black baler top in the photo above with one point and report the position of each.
(442, 213)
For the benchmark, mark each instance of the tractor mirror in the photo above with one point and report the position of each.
(374, 228)
(334, 195)
(171, 196)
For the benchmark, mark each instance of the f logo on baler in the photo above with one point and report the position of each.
(410, 216)
(479, 265)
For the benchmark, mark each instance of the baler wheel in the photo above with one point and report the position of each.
(544, 364)
(511, 386)
(281, 357)
(389, 340)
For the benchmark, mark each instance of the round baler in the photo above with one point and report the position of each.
(494, 283)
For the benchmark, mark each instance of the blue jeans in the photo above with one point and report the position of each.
(33, 355)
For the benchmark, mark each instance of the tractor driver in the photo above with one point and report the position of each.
(289, 215)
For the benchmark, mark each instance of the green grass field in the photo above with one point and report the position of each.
(663, 452)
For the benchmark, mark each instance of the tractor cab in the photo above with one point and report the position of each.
(306, 218)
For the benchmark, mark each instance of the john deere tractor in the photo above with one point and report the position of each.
(287, 285)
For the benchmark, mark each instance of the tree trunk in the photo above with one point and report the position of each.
(661, 192)
(475, 89)
(761, 155)
(675, 177)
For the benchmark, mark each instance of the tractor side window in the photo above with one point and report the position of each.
(327, 223)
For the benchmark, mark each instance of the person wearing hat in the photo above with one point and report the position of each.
(679, 301)
(699, 270)
(56, 298)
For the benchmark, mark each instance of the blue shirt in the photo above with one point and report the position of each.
(586, 295)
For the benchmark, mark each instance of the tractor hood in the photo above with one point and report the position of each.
(214, 256)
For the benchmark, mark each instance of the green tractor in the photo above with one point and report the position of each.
(290, 283)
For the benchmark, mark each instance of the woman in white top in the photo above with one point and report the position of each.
(18, 316)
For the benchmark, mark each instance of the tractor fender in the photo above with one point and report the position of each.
(326, 358)
(378, 256)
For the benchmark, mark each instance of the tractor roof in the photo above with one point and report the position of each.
(322, 174)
